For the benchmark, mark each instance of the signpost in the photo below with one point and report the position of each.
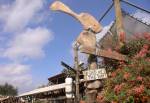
(95, 74)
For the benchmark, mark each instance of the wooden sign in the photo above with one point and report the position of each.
(104, 53)
(95, 74)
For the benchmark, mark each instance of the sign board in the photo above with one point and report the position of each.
(95, 74)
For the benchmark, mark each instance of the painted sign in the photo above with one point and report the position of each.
(95, 74)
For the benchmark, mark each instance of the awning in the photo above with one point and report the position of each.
(45, 89)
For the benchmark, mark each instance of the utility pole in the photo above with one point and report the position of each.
(76, 65)
(119, 22)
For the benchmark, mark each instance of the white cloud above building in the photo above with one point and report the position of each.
(22, 39)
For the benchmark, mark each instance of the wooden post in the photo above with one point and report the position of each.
(91, 94)
(76, 64)
(119, 22)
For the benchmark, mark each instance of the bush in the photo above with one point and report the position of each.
(129, 82)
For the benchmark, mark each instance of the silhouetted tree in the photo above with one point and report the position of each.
(8, 90)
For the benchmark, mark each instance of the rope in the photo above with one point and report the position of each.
(138, 7)
(106, 12)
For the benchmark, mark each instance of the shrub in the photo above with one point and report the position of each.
(129, 82)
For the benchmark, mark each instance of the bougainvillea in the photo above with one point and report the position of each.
(129, 82)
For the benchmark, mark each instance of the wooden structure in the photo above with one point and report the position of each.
(10, 99)
(53, 93)
(119, 23)
(108, 40)
(57, 79)
(86, 41)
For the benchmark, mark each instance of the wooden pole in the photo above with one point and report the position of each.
(76, 65)
(119, 22)
(91, 94)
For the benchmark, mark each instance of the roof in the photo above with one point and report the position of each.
(57, 76)
(4, 98)
(142, 16)
(139, 16)
(133, 24)
(104, 31)
(42, 90)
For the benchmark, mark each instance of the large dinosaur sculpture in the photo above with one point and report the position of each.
(87, 39)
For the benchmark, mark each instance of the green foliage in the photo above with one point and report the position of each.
(131, 99)
(8, 90)
(68, 72)
(132, 47)
(135, 45)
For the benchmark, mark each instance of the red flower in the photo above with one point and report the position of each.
(145, 46)
(113, 74)
(126, 75)
(139, 78)
(138, 90)
(118, 88)
(122, 36)
(100, 99)
(143, 51)
(113, 102)
(147, 59)
(147, 36)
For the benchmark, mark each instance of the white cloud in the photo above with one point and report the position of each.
(15, 74)
(13, 69)
(17, 15)
(28, 44)
(20, 42)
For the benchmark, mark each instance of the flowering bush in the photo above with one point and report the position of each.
(129, 82)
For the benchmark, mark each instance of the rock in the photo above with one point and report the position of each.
(95, 85)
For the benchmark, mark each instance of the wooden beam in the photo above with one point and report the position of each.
(68, 67)
(103, 53)
(119, 22)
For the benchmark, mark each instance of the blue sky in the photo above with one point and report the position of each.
(34, 39)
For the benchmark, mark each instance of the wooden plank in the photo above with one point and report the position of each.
(104, 53)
